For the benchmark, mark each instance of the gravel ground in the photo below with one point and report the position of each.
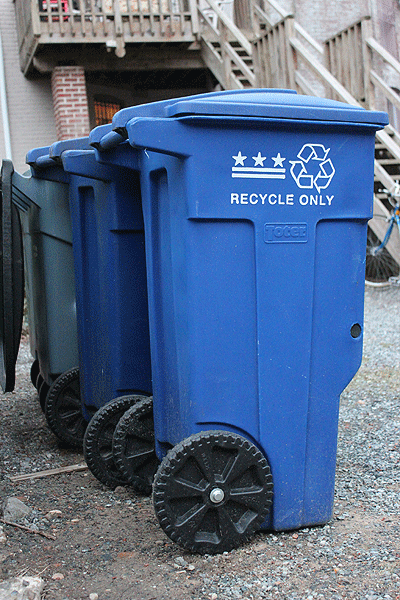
(109, 546)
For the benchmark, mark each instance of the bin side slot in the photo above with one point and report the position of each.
(336, 355)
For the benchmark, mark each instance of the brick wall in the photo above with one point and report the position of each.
(387, 24)
(71, 112)
(324, 18)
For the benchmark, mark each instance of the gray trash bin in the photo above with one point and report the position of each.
(42, 198)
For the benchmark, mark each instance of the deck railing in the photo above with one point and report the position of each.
(354, 57)
(285, 57)
(118, 21)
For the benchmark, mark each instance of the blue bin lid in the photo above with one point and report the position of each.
(264, 103)
(58, 148)
(35, 154)
(159, 109)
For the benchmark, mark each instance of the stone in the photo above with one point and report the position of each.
(22, 588)
(53, 514)
(14, 509)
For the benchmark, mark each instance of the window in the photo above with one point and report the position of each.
(104, 111)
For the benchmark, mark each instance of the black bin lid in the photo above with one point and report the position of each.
(11, 280)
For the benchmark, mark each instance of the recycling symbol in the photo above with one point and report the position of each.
(304, 172)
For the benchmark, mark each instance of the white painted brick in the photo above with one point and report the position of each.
(29, 101)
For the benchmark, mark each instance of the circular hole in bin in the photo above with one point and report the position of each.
(355, 330)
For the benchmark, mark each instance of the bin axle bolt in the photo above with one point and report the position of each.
(217, 495)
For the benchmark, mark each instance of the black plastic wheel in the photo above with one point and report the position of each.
(43, 390)
(63, 409)
(212, 492)
(35, 370)
(133, 446)
(11, 280)
(97, 442)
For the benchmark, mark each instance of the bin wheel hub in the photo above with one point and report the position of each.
(217, 495)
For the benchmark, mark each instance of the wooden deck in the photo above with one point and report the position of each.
(112, 23)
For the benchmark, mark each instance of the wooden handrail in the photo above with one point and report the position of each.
(305, 35)
(344, 95)
(283, 14)
(391, 95)
(87, 21)
(281, 11)
(231, 27)
(384, 54)
(261, 13)
(325, 75)
(203, 12)
(354, 24)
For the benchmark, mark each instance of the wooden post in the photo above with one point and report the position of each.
(194, 16)
(34, 16)
(82, 17)
(330, 61)
(254, 20)
(369, 93)
(257, 61)
(226, 61)
(289, 31)
(119, 32)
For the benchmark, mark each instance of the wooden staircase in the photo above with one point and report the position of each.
(226, 50)
(279, 53)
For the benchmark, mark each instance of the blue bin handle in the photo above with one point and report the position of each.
(44, 162)
(159, 135)
(110, 140)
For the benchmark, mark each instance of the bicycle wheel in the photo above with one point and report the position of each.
(380, 266)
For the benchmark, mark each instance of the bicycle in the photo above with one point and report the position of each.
(381, 268)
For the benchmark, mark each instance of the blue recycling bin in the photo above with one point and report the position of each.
(111, 284)
(111, 296)
(255, 206)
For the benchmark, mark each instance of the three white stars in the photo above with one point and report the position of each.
(259, 159)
